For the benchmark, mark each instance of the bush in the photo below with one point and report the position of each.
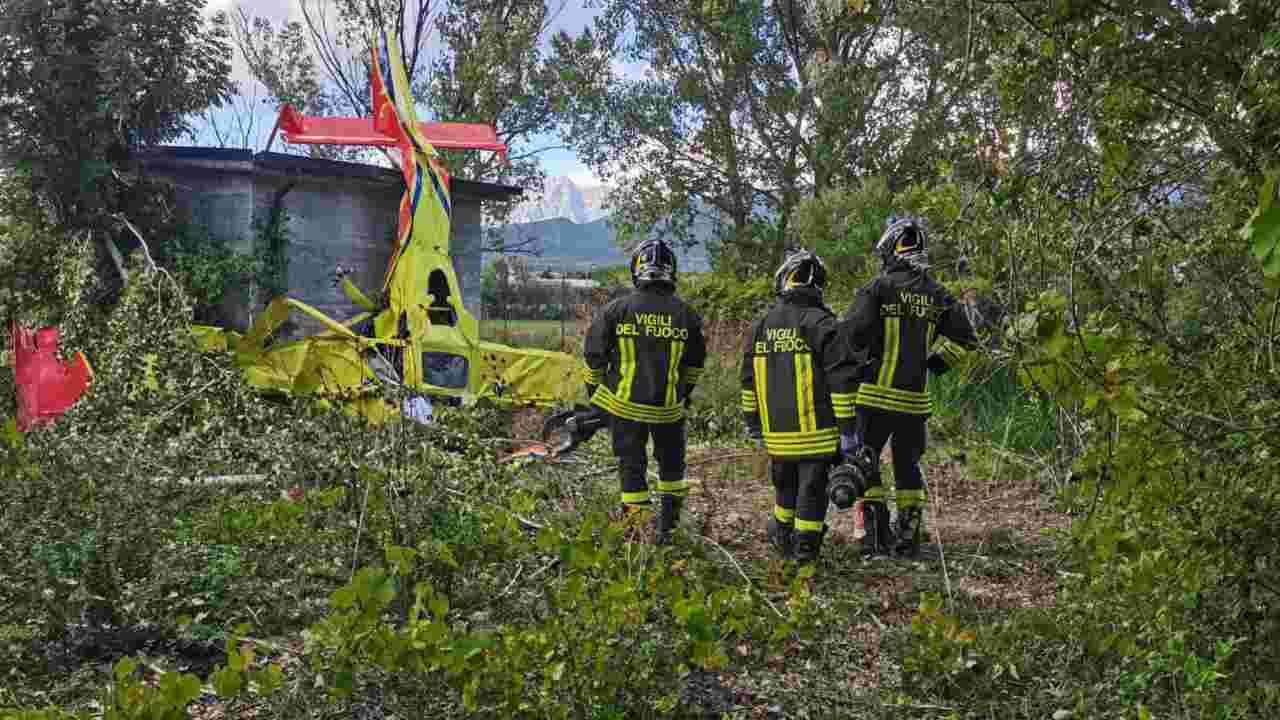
(996, 407)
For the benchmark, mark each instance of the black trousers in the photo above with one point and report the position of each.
(630, 440)
(800, 493)
(908, 437)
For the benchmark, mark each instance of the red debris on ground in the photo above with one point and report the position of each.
(47, 385)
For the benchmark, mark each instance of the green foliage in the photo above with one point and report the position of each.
(996, 407)
(610, 276)
(616, 621)
(842, 225)
(1263, 229)
(80, 90)
(714, 415)
(493, 69)
(45, 277)
(721, 297)
(821, 92)
(271, 251)
(941, 651)
(205, 266)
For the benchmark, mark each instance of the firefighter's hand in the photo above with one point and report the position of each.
(847, 443)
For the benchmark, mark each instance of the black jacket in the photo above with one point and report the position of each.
(798, 378)
(644, 354)
(896, 318)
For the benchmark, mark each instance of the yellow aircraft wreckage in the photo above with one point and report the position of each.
(419, 335)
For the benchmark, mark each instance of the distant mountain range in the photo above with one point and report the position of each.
(568, 227)
(562, 198)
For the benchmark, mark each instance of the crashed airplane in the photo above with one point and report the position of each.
(417, 335)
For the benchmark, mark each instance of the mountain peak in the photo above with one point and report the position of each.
(562, 198)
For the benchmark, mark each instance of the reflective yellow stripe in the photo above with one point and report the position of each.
(795, 437)
(673, 487)
(673, 371)
(804, 392)
(911, 498)
(609, 402)
(803, 444)
(887, 398)
(627, 371)
(784, 515)
(911, 396)
(636, 498)
(889, 360)
(762, 397)
(843, 404)
(809, 525)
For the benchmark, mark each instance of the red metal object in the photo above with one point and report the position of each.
(306, 130)
(47, 386)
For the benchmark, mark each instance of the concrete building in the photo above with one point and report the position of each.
(339, 214)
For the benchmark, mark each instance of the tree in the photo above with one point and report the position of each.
(83, 84)
(490, 68)
(750, 106)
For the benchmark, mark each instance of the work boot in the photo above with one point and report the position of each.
(878, 539)
(808, 544)
(668, 517)
(906, 540)
(781, 537)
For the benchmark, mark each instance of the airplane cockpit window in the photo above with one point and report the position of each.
(440, 310)
(444, 370)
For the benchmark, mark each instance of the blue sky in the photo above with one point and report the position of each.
(573, 17)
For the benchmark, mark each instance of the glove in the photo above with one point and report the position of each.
(848, 442)
(937, 365)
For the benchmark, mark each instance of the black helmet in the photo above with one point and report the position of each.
(801, 269)
(653, 261)
(904, 241)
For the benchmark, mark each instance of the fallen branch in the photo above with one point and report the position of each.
(741, 572)
(146, 251)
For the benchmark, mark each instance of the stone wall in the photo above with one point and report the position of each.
(340, 214)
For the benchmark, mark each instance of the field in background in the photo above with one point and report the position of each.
(545, 334)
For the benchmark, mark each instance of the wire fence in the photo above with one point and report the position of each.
(544, 307)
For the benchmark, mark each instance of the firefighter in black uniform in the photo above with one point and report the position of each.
(798, 383)
(896, 318)
(644, 354)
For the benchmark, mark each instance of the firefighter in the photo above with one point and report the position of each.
(895, 319)
(644, 354)
(798, 383)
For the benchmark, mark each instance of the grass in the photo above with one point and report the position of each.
(997, 406)
(544, 334)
